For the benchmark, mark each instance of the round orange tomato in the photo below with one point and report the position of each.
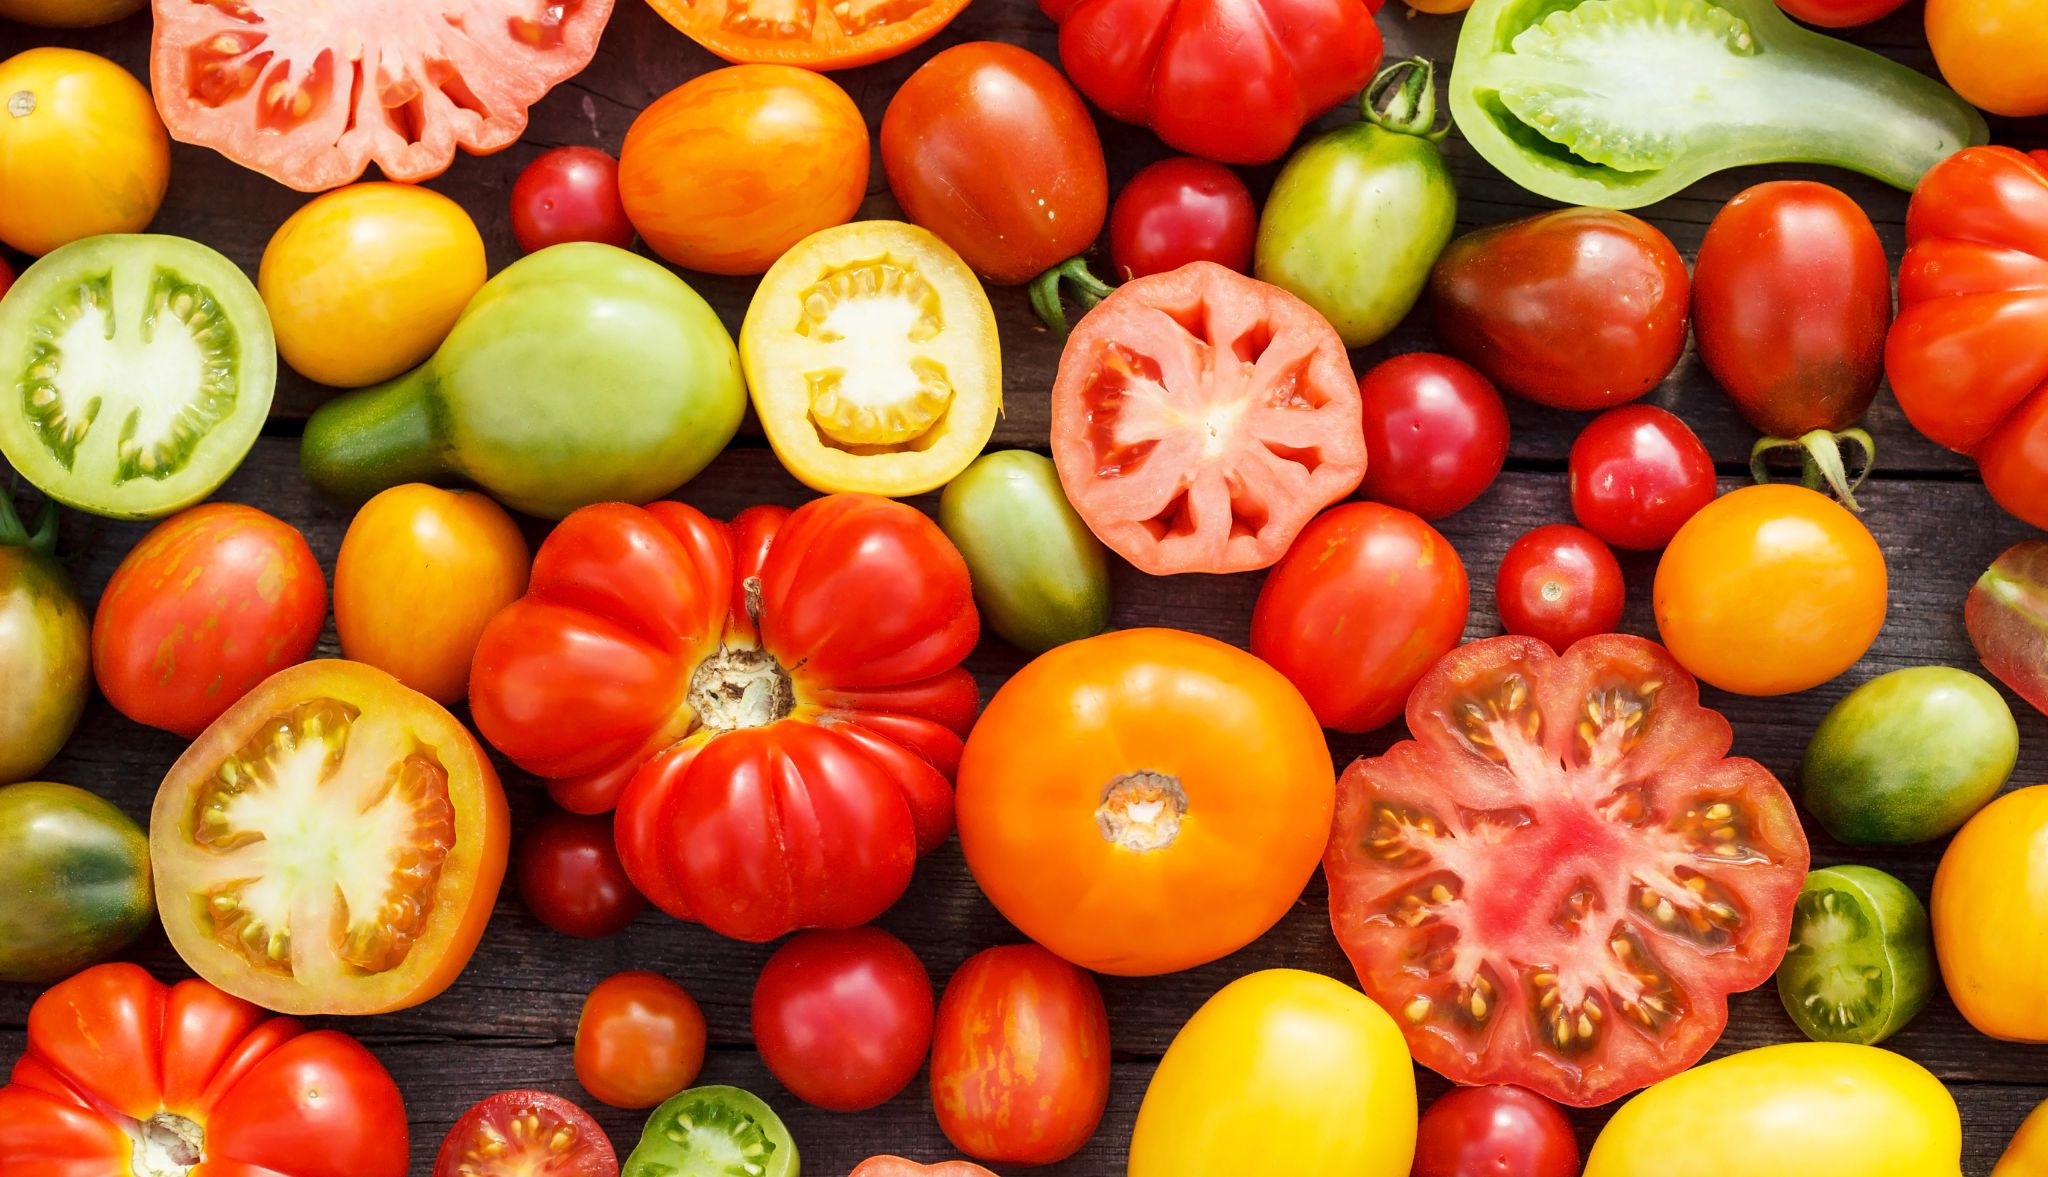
(1769, 590)
(818, 36)
(728, 170)
(1992, 52)
(422, 570)
(82, 151)
(1145, 801)
(639, 1040)
(1990, 913)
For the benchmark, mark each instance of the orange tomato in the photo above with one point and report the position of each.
(1993, 52)
(1145, 801)
(2027, 1154)
(421, 571)
(1769, 590)
(1990, 913)
(728, 170)
(821, 37)
(640, 1040)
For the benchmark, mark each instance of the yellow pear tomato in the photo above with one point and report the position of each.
(2027, 1155)
(82, 151)
(1990, 913)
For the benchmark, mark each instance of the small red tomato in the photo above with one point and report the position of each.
(640, 1040)
(1495, 1132)
(1559, 583)
(6, 276)
(570, 876)
(526, 1134)
(1181, 210)
(843, 1017)
(1436, 433)
(1637, 474)
(569, 194)
(1839, 14)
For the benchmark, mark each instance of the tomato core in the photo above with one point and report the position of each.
(168, 1145)
(740, 687)
(1142, 811)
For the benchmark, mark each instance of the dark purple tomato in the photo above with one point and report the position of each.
(1178, 211)
(1436, 433)
(569, 194)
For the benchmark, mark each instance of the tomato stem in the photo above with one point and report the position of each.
(1822, 467)
(13, 534)
(1412, 108)
(1047, 290)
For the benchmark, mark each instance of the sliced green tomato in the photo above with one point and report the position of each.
(1861, 963)
(135, 373)
(713, 1132)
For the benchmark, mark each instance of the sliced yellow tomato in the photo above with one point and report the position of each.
(871, 354)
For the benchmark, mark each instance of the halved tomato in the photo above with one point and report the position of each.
(1559, 880)
(526, 1134)
(333, 844)
(310, 94)
(806, 32)
(1201, 418)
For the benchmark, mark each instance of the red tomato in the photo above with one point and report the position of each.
(569, 194)
(116, 1058)
(1436, 433)
(898, 1167)
(1637, 474)
(1178, 211)
(1020, 1061)
(1369, 598)
(1495, 1132)
(1840, 14)
(2007, 616)
(1558, 882)
(639, 1040)
(310, 95)
(526, 1134)
(6, 277)
(1559, 583)
(1182, 464)
(570, 876)
(843, 1018)
(210, 603)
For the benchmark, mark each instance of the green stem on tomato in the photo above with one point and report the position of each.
(1821, 464)
(1048, 291)
(1412, 108)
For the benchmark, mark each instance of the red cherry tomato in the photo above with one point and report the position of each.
(526, 1134)
(1637, 474)
(571, 879)
(1495, 1132)
(1436, 433)
(1839, 14)
(1559, 583)
(639, 1040)
(844, 1018)
(569, 194)
(1178, 211)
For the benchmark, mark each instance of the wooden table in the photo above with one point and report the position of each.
(508, 1022)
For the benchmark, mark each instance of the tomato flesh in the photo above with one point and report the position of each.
(526, 1134)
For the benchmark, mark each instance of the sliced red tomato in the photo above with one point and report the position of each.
(1201, 418)
(813, 35)
(1559, 880)
(311, 94)
(526, 1134)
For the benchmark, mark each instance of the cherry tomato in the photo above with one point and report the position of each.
(526, 1134)
(570, 876)
(1178, 211)
(843, 1017)
(1436, 433)
(1637, 474)
(1559, 583)
(639, 1041)
(569, 194)
(1495, 1132)
(1839, 14)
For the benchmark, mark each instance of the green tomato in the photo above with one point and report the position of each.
(1861, 961)
(74, 881)
(1040, 576)
(45, 650)
(580, 374)
(713, 1132)
(1908, 757)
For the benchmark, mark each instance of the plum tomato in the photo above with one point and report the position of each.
(1495, 1131)
(713, 1132)
(1558, 881)
(1040, 577)
(1559, 583)
(639, 1040)
(1861, 961)
(1436, 433)
(85, 151)
(526, 1134)
(1637, 474)
(569, 194)
(843, 1017)
(2007, 616)
(1181, 210)
(569, 876)
(74, 881)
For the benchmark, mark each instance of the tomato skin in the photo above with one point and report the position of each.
(1840, 14)
(82, 151)
(1495, 1132)
(1020, 1058)
(1637, 474)
(1436, 433)
(526, 1134)
(570, 876)
(1181, 210)
(569, 194)
(1991, 52)
(1989, 926)
(843, 1017)
(1559, 583)
(639, 1040)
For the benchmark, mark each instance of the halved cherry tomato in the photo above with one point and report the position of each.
(1637, 474)
(526, 1134)
(571, 879)
(1436, 433)
(569, 194)
(898, 1167)
(843, 1017)
(815, 36)
(639, 1040)
(1182, 210)
(1559, 583)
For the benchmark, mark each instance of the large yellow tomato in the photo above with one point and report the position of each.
(1990, 913)
(1298, 1070)
(365, 282)
(1814, 1109)
(2027, 1154)
(68, 14)
(1994, 52)
(82, 151)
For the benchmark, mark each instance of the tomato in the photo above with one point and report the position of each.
(1181, 210)
(1436, 433)
(727, 171)
(639, 1040)
(126, 1077)
(45, 647)
(1637, 474)
(6, 277)
(1861, 964)
(212, 602)
(526, 1134)
(421, 571)
(1182, 461)
(1581, 308)
(843, 1018)
(988, 146)
(2025, 1155)
(82, 151)
(365, 282)
(1495, 1132)
(1990, 914)
(898, 1167)
(871, 354)
(713, 1132)
(1559, 583)
(570, 876)
(333, 844)
(1770, 590)
(1040, 577)
(1991, 52)
(311, 95)
(569, 194)
(1020, 1060)
(2007, 616)
(700, 661)
(74, 881)
(816, 38)
(1559, 880)
(1296, 1069)
(1367, 600)
(1840, 14)
(68, 14)
(1144, 801)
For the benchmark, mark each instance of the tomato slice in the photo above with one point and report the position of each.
(809, 32)
(310, 94)
(333, 844)
(526, 1134)
(1201, 418)
(1558, 882)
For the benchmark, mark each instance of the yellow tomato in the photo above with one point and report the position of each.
(1296, 1069)
(1994, 52)
(1814, 1109)
(68, 14)
(1990, 914)
(2027, 1155)
(365, 282)
(82, 151)
(420, 573)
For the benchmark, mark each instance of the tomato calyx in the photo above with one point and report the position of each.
(740, 687)
(1821, 465)
(1142, 810)
(1049, 289)
(167, 1145)
(14, 534)
(1411, 109)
